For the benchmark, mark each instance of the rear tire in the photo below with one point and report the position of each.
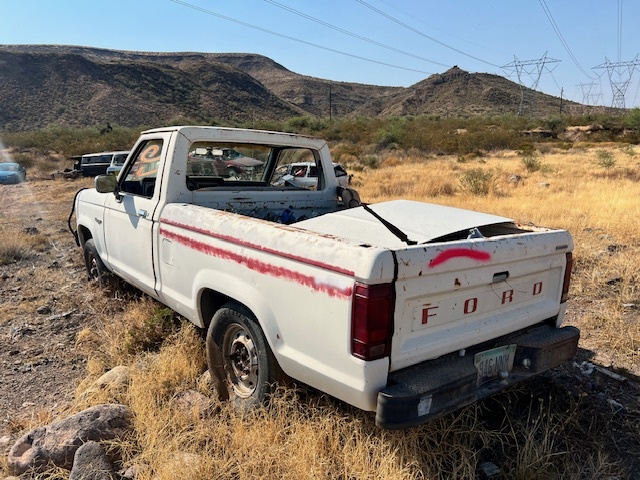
(250, 367)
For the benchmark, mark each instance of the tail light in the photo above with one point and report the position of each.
(567, 278)
(372, 321)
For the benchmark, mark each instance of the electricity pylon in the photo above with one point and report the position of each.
(531, 69)
(624, 72)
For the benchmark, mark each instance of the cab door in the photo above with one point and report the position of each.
(129, 216)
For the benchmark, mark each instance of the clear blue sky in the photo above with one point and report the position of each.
(478, 36)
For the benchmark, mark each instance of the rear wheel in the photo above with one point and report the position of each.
(249, 365)
(96, 270)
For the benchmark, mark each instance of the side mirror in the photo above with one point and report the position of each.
(106, 183)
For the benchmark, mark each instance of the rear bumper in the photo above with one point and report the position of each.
(422, 392)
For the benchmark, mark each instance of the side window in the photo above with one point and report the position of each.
(141, 175)
(298, 167)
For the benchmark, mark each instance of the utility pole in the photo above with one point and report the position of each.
(561, 94)
(330, 105)
(532, 69)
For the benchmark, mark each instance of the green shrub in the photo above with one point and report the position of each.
(529, 157)
(148, 333)
(605, 159)
(477, 181)
(629, 150)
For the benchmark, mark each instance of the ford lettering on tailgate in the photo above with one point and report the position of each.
(477, 301)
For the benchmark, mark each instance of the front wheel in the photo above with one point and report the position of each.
(232, 173)
(96, 270)
(249, 365)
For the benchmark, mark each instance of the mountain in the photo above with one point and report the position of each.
(314, 95)
(42, 85)
(460, 93)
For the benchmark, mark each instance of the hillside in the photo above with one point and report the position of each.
(460, 93)
(309, 93)
(41, 89)
(42, 85)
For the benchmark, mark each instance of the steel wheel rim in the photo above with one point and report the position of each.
(241, 358)
(94, 270)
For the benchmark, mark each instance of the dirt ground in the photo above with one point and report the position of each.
(45, 301)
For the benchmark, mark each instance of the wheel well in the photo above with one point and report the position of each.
(211, 301)
(84, 233)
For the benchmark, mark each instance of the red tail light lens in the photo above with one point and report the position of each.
(372, 321)
(567, 278)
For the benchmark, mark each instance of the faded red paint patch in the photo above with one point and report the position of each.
(255, 246)
(457, 253)
(258, 266)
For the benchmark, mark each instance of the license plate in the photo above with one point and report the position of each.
(491, 362)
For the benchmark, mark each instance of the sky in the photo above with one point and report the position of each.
(380, 42)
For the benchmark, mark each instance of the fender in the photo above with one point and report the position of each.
(239, 291)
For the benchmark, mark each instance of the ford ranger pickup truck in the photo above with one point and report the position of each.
(404, 308)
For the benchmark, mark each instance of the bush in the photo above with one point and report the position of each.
(529, 157)
(605, 159)
(477, 181)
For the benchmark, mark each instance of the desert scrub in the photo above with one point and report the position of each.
(529, 158)
(16, 245)
(605, 159)
(477, 181)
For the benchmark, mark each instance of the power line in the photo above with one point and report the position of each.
(271, 32)
(547, 12)
(408, 27)
(355, 35)
(389, 4)
(619, 30)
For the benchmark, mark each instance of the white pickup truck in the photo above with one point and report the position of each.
(404, 308)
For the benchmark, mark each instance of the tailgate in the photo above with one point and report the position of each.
(454, 295)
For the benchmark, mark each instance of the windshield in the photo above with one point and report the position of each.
(8, 168)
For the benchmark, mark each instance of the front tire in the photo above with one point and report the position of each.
(97, 272)
(232, 173)
(249, 365)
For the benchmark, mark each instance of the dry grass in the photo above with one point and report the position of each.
(305, 434)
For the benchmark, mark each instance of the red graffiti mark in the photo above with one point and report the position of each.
(259, 266)
(459, 252)
(255, 246)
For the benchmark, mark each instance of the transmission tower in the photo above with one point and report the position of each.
(531, 69)
(620, 74)
(589, 96)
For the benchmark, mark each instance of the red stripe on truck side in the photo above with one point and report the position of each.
(255, 246)
(259, 266)
(459, 252)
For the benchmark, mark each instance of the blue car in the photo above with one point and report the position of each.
(12, 173)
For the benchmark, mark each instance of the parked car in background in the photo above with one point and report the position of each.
(305, 174)
(93, 164)
(224, 162)
(12, 173)
(116, 163)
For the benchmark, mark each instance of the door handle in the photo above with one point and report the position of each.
(142, 213)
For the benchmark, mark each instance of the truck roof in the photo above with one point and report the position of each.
(242, 135)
